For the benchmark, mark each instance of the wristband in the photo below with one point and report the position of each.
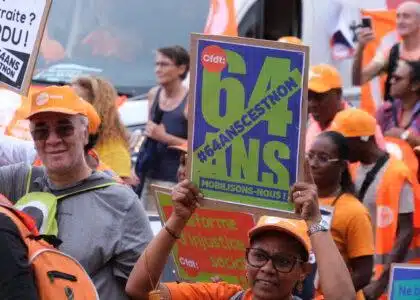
(171, 233)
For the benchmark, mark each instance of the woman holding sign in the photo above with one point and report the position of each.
(351, 228)
(276, 260)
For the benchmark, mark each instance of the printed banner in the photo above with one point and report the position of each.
(404, 283)
(248, 117)
(212, 244)
(22, 24)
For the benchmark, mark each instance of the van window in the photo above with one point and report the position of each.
(271, 20)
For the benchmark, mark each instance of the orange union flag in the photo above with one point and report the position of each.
(221, 19)
(384, 23)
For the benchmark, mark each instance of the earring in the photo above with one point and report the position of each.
(299, 286)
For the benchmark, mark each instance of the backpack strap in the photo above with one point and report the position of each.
(237, 296)
(394, 55)
(370, 176)
(33, 174)
(23, 222)
(37, 172)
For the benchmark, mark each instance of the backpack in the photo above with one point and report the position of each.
(394, 55)
(58, 276)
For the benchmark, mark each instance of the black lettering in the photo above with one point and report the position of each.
(15, 40)
(17, 65)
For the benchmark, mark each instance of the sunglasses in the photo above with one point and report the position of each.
(62, 131)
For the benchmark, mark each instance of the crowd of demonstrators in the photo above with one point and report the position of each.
(81, 151)
(112, 144)
(385, 186)
(168, 121)
(100, 223)
(325, 100)
(408, 29)
(277, 259)
(351, 227)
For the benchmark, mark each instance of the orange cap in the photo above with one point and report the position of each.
(60, 99)
(183, 147)
(354, 122)
(323, 78)
(295, 228)
(93, 117)
(290, 40)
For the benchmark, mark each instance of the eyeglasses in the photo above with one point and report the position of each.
(322, 158)
(62, 131)
(258, 258)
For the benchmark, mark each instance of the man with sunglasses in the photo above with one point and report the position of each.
(325, 101)
(105, 228)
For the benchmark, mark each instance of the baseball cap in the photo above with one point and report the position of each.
(93, 117)
(183, 147)
(290, 40)
(324, 77)
(293, 227)
(354, 122)
(60, 99)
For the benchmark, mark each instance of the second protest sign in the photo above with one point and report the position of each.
(22, 25)
(212, 243)
(247, 119)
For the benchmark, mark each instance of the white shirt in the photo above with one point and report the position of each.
(14, 150)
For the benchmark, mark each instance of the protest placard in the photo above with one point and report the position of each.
(404, 282)
(248, 112)
(22, 24)
(212, 244)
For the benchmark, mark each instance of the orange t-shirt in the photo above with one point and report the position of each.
(199, 291)
(351, 229)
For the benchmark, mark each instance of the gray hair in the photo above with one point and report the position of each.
(84, 121)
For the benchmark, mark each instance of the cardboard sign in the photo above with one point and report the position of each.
(212, 244)
(247, 119)
(22, 24)
(404, 282)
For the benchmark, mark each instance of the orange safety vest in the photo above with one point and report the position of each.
(403, 151)
(387, 202)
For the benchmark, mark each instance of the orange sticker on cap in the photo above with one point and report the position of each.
(213, 58)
